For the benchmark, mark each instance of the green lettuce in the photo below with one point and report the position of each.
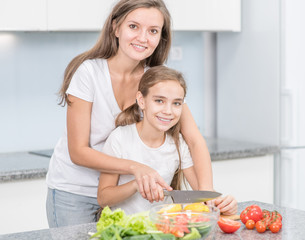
(138, 222)
(109, 217)
(116, 224)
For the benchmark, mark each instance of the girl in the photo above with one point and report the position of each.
(97, 86)
(149, 132)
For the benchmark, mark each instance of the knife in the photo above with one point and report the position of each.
(186, 196)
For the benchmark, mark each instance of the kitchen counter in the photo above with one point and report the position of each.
(223, 149)
(22, 165)
(31, 165)
(292, 228)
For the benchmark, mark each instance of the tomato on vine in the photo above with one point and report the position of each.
(275, 227)
(260, 226)
(250, 224)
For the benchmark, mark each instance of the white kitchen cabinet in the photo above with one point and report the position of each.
(89, 15)
(246, 179)
(78, 15)
(193, 15)
(23, 206)
(205, 15)
(19, 15)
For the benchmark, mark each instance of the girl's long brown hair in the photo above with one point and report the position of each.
(107, 44)
(132, 114)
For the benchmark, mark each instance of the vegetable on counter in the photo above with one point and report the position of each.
(185, 226)
(271, 220)
(116, 225)
(253, 212)
(165, 222)
(185, 221)
(254, 217)
(227, 225)
(250, 224)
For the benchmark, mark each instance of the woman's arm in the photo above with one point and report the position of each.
(198, 148)
(78, 128)
(110, 194)
(190, 176)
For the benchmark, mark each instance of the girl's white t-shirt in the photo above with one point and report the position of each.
(91, 82)
(124, 142)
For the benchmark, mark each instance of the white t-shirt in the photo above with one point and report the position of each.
(91, 82)
(124, 142)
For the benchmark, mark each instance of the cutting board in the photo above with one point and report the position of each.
(232, 217)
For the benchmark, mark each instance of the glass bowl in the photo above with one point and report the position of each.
(186, 220)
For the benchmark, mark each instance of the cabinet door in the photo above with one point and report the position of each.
(23, 206)
(19, 15)
(246, 179)
(78, 15)
(195, 15)
(205, 15)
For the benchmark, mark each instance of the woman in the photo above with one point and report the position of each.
(97, 86)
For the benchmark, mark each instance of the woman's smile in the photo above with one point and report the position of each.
(138, 47)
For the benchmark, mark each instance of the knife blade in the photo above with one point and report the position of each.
(187, 196)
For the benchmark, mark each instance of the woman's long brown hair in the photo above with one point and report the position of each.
(132, 114)
(107, 44)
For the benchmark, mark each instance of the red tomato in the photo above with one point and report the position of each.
(253, 212)
(260, 226)
(276, 220)
(266, 214)
(250, 224)
(182, 219)
(199, 219)
(267, 222)
(279, 215)
(275, 215)
(243, 216)
(164, 226)
(182, 222)
(275, 227)
(177, 232)
(228, 225)
(279, 222)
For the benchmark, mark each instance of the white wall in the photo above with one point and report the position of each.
(248, 72)
(32, 66)
(192, 66)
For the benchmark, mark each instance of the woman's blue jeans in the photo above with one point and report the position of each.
(65, 209)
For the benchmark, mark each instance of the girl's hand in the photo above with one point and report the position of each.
(160, 192)
(227, 204)
(150, 183)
